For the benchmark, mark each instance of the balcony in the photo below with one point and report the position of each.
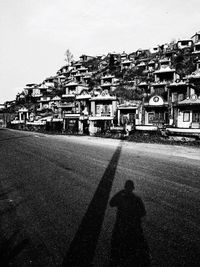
(66, 105)
(70, 95)
(104, 114)
(45, 99)
(178, 98)
(71, 115)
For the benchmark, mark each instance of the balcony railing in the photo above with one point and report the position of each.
(103, 114)
(65, 105)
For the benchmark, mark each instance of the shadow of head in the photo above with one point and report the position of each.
(129, 186)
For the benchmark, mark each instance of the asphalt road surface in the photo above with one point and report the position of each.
(54, 193)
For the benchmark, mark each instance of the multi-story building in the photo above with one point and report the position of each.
(107, 82)
(196, 40)
(129, 113)
(189, 107)
(177, 92)
(126, 64)
(103, 111)
(156, 102)
(71, 107)
(44, 103)
(84, 109)
(186, 43)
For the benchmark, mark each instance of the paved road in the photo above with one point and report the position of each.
(54, 192)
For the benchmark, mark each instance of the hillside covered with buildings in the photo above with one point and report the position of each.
(143, 90)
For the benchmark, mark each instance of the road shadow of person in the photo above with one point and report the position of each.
(82, 248)
(128, 244)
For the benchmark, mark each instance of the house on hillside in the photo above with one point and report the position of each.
(87, 78)
(32, 90)
(63, 70)
(196, 40)
(73, 72)
(156, 105)
(2, 106)
(68, 104)
(81, 72)
(2, 117)
(103, 112)
(123, 56)
(77, 65)
(126, 64)
(50, 82)
(164, 62)
(84, 109)
(54, 104)
(141, 65)
(44, 89)
(44, 103)
(196, 49)
(177, 92)
(186, 107)
(85, 58)
(23, 114)
(129, 113)
(196, 37)
(71, 107)
(9, 104)
(107, 81)
(151, 66)
(60, 79)
(154, 50)
(189, 107)
(185, 43)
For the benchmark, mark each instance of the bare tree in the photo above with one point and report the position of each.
(68, 57)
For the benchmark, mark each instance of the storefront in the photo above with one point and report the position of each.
(71, 123)
(128, 113)
(99, 124)
(156, 111)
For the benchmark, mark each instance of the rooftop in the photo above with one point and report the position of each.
(193, 100)
(71, 84)
(164, 69)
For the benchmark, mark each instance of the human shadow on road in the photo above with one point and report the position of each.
(128, 244)
(82, 248)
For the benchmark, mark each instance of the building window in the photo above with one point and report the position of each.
(157, 117)
(180, 97)
(197, 47)
(184, 43)
(196, 117)
(106, 110)
(174, 97)
(186, 116)
(159, 91)
(151, 117)
(98, 109)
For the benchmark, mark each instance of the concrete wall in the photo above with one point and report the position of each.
(184, 124)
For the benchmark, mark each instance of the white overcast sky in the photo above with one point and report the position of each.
(34, 34)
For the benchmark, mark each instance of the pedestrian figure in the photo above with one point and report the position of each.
(128, 245)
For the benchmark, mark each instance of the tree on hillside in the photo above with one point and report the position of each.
(68, 57)
(183, 63)
(94, 81)
(131, 74)
(127, 94)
